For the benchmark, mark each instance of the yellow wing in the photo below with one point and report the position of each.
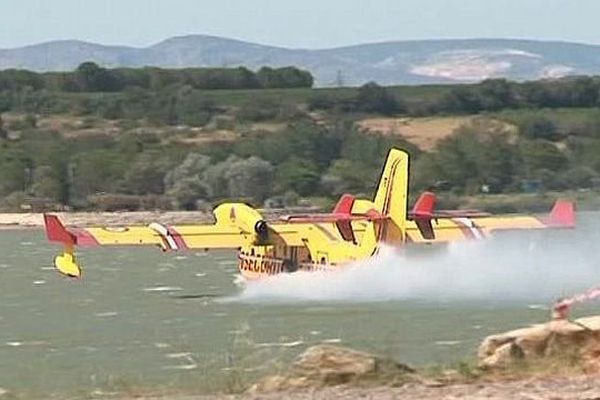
(236, 225)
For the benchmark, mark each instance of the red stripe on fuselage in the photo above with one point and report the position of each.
(466, 230)
(177, 238)
(83, 237)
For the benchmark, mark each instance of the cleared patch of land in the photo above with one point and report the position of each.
(425, 133)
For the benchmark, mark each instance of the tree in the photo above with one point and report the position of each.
(92, 78)
(539, 127)
(300, 175)
(3, 133)
(146, 174)
(14, 164)
(97, 171)
(542, 155)
(473, 156)
(185, 183)
(373, 98)
(250, 178)
(46, 184)
(496, 94)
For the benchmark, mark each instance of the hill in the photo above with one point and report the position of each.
(399, 62)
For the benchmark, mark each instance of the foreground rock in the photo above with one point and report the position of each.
(326, 365)
(568, 343)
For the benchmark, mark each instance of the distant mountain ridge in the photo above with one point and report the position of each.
(398, 62)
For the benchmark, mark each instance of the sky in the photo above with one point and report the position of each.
(297, 23)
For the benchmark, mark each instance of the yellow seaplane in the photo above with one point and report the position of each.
(355, 230)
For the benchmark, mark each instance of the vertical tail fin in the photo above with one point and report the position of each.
(392, 196)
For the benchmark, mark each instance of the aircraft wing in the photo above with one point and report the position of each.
(166, 237)
(448, 226)
(236, 225)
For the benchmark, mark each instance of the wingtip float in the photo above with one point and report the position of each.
(354, 230)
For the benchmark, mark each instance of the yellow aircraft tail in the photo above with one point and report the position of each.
(391, 198)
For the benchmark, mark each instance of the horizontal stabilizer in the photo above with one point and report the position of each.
(56, 231)
(344, 205)
(424, 209)
(424, 206)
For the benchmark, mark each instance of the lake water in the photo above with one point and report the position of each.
(141, 320)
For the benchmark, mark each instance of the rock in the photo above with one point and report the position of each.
(576, 341)
(277, 383)
(325, 365)
(333, 364)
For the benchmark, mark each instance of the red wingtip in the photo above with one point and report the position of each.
(562, 214)
(344, 205)
(56, 231)
(425, 205)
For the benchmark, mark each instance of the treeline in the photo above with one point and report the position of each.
(489, 95)
(90, 77)
(304, 160)
(134, 171)
(482, 158)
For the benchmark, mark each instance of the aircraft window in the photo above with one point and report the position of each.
(322, 260)
(252, 252)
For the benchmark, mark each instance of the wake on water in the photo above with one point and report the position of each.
(532, 267)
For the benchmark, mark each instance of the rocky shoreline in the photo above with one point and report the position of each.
(551, 361)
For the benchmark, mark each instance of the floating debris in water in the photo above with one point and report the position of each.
(448, 342)
(39, 282)
(185, 356)
(220, 314)
(107, 314)
(537, 307)
(163, 289)
(99, 392)
(332, 341)
(31, 343)
(162, 345)
(200, 274)
(277, 344)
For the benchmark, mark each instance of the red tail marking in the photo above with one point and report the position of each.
(562, 214)
(422, 213)
(56, 231)
(425, 205)
(344, 205)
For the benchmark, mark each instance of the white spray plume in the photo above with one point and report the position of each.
(530, 267)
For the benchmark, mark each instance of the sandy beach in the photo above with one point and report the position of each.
(121, 218)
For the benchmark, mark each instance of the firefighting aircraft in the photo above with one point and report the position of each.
(354, 230)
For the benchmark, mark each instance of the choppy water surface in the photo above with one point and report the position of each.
(141, 320)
